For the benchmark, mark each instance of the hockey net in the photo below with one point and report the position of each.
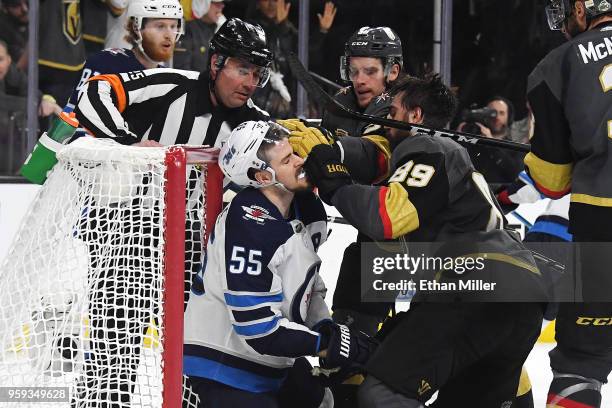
(92, 289)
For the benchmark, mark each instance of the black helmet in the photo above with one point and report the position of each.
(375, 42)
(239, 39)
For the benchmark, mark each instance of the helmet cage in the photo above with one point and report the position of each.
(387, 63)
(557, 11)
(239, 163)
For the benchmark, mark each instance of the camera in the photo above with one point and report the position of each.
(484, 116)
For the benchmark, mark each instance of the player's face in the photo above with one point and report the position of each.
(159, 38)
(500, 123)
(267, 8)
(214, 12)
(288, 167)
(236, 82)
(5, 62)
(398, 112)
(19, 11)
(368, 78)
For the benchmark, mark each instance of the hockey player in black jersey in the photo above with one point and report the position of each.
(258, 304)
(570, 92)
(460, 348)
(372, 60)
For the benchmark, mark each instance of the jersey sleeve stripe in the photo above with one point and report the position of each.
(554, 180)
(117, 87)
(251, 300)
(382, 212)
(243, 316)
(401, 212)
(257, 329)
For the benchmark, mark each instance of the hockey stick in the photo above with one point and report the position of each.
(335, 107)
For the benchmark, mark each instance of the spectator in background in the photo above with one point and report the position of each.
(192, 51)
(94, 24)
(14, 30)
(499, 166)
(61, 52)
(14, 82)
(116, 23)
(522, 130)
(281, 34)
(13, 93)
(498, 127)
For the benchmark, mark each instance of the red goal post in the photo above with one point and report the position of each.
(93, 284)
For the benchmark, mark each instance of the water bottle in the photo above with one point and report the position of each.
(42, 159)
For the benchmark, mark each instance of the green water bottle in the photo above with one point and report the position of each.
(42, 159)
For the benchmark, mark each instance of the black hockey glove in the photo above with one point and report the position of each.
(326, 172)
(346, 347)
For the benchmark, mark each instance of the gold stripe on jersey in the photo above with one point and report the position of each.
(553, 177)
(64, 67)
(403, 215)
(93, 38)
(591, 200)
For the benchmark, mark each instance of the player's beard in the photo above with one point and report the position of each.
(155, 51)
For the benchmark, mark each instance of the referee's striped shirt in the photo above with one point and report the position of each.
(170, 106)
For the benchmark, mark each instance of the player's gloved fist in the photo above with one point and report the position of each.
(326, 172)
(347, 348)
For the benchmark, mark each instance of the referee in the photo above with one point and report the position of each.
(153, 108)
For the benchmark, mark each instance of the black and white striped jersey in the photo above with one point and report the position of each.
(166, 105)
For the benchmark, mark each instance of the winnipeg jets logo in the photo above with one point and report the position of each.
(382, 97)
(257, 214)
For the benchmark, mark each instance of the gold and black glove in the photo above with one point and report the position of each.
(303, 138)
(325, 171)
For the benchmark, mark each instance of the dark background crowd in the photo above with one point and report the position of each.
(495, 44)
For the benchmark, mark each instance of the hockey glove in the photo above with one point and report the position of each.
(347, 348)
(326, 172)
(303, 138)
(522, 191)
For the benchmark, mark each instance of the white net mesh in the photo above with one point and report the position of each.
(82, 286)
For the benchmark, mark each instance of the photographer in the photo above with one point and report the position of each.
(493, 121)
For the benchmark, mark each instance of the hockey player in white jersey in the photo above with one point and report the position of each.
(258, 304)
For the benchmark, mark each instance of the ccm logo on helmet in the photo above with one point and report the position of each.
(170, 6)
(594, 321)
(359, 43)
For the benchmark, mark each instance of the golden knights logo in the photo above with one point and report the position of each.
(71, 20)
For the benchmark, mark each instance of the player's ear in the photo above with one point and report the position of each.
(393, 73)
(264, 177)
(213, 66)
(579, 9)
(416, 115)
